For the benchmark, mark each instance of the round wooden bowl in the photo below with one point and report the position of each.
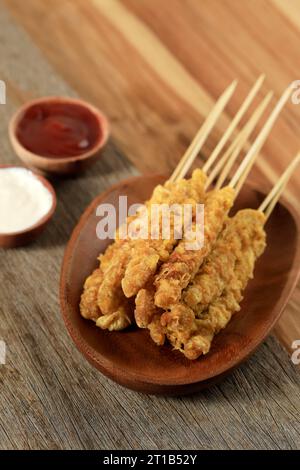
(16, 239)
(130, 357)
(59, 165)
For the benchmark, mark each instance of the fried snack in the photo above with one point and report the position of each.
(183, 264)
(126, 252)
(179, 325)
(192, 333)
(146, 309)
(115, 310)
(89, 307)
(147, 254)
(147, 315)
(218, 269)
(88, 304)
(110, 302)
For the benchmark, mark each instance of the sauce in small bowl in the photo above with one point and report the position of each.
(27, 203)
(58, 135)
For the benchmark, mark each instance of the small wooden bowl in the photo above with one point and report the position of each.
(13, 240)
(58, 165)
(130, 357)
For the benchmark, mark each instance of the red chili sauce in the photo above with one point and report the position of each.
(57, 129)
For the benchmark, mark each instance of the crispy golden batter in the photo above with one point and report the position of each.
(196, 292)
(179, 325)
(137, 259)
(142, 265)
(192, 335)
(110, 253)
(218, 316)
(88, 303)
(110, 298)
(110, 294)
(157, 331)
(147, 254)
(183, 264)
(119, 320)
(89, 307)
(218, 268)
(145, 309)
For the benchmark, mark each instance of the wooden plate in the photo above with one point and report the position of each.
(130, 357)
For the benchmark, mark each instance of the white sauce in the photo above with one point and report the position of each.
(24, 200)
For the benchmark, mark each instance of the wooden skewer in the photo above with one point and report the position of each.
(222, 161)
(270, 201)
(202, 134)
(235, 121)
(240, 142)
(243, 170)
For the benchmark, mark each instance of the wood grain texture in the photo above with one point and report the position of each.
(49, 396)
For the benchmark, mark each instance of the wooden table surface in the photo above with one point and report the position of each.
(154, 68)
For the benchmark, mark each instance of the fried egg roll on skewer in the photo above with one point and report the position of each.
(149, 252)
(146, 254)
(105, 282)
(88, 303)
(137, 266)
(182, 266)
(186, 162)
(120, 319)
(133, 281)
(156, 251)
(220, 311)
(106, 290)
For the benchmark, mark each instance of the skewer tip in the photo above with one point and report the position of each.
(270, 201)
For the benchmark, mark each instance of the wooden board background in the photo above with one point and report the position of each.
(155, 68)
